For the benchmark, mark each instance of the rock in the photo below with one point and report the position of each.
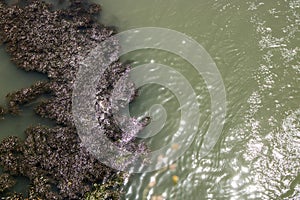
(107, 190)
(11, 156)
(40, 38)
(26, 95)
(14, 196)
(6, 181)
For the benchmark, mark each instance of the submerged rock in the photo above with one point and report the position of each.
(40, 38)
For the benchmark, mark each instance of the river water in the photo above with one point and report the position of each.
(255, 45)
(12, 79)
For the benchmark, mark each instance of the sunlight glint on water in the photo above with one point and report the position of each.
(255, 47)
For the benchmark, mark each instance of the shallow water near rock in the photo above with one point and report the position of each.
(13, 79)
(255, 45)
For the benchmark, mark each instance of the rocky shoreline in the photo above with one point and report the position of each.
(40, 38)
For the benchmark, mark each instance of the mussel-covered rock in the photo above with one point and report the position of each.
(53, 158)
(11, 155)
(6, 181)
(56, 154)
(40, 38)
(14, 196)
(107, 190)
(26, 95)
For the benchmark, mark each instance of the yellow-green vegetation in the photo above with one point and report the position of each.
(110, 190)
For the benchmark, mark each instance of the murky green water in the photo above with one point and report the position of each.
(255, 45)
(13, 79)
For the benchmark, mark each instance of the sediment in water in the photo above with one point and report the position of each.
(2, 111)
(40, 38)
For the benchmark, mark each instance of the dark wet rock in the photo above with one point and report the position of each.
(6, 181)
(40, 38)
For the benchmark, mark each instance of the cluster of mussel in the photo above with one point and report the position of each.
(53, 41)
(25, 95)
